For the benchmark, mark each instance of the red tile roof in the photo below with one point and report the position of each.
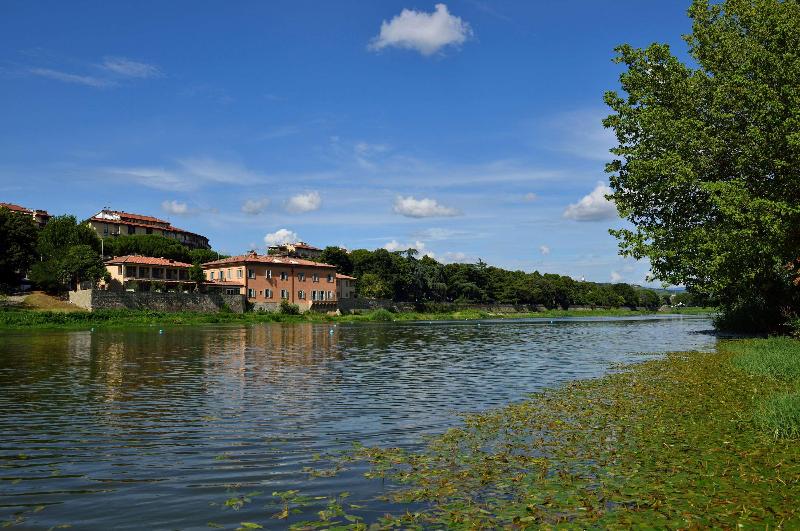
(265, 259)
(339, 275)
(146, 260)
(169, 228)
(17, 208)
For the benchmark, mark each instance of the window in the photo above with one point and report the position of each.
(330, 277)
(269, 273)
(212, 275)
(314, 295)
(301, 276)
(284, 294)
(148, 230)
(251, 273)
(144, 272)
(251, 293)
(131, 229)
(330, 295)
(105, 229)
(119, 270)
(268, 293)
(232, 291)
(284, 275)
(315, 277)
(301, 294)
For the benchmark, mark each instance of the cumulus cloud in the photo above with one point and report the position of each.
(280, 237)
(307, 202)
(424, 32)
(127, 68)
(253, 207)
(592, 207)
(616, 277)
(175, 207)
(544, 249)
(421, 208)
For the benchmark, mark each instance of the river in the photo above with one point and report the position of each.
(147, 428)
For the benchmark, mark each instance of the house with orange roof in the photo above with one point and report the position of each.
(110, 223)
(296, 250)
(345, 286)
(40, 217)
(266, 280)
(142, 273)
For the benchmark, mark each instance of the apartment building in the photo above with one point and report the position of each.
(295, 250)
(111, 223)
(266, 280)
(40, 217)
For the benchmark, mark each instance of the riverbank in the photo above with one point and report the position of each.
(22, 318)
(692, 440)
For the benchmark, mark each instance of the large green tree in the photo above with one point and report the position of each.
(708, 167)
(69, 254)
(17, 247)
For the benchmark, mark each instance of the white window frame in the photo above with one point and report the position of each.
(251, 293)
(285, 294)
(301, 294)
(251, 273)
(301, 276)
(267, 293)
(211, 275)
(315, 277)
(269, 273)
(330, 277)
(284, 275)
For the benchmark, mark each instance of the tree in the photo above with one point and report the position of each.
(17, 247)
(338, 257)
(709, 159)
(197, 275)
(70, 254)
(371, 285)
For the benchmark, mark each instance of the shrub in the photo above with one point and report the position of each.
(288, 308)
(381, 315)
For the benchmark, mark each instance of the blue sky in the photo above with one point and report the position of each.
(469, 129)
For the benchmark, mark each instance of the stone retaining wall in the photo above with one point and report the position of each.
(93, 299)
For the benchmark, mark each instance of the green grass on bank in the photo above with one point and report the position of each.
(682, 442)
(22, 318)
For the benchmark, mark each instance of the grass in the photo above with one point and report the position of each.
(693, 440)
(26, 318)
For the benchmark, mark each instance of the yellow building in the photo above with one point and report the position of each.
(140, 273)
(345, 286)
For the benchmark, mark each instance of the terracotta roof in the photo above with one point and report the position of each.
(17, 208)
(138, 216)
(296, 245)
(146, 260)
(339, 275)
(265, 259)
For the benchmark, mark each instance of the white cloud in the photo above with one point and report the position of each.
(616, 277)
(281, 236)
(189, 174)
(424, 32)
(592, 207)
(127, 68)
(253, 207)
(66, 77)
(421, 208)
(454, 257)
(175, 207)
(530, 197)
(307, 202)
(544, 249)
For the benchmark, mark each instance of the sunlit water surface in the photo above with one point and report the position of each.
(139, 429)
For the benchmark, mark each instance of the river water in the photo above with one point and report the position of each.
(142, 429)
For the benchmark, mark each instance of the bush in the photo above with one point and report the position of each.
(382, 315)
(288, 308)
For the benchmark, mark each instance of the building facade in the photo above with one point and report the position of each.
(296, 250)
(111, 223)
(266, 280)
(345, 286)
(142, 273)
(40, 217)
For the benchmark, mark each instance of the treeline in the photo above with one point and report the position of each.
(402, 276)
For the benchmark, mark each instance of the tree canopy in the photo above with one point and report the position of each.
(70, 254)
(17, 247)
(708, 167)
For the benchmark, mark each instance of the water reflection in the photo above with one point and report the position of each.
(146, 429)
